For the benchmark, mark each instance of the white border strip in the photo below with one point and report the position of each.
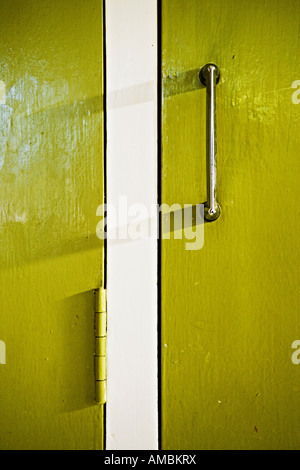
(131, 50)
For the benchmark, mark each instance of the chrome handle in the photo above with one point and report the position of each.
(209, 76)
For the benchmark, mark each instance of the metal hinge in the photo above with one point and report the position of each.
(100, 346)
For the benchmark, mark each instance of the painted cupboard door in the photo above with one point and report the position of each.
(51, 182)
(230, 308)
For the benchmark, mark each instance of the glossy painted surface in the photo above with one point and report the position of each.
(131, 58)
(51, 182)
(230, 311)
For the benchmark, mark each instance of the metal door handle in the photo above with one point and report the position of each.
(209, 76)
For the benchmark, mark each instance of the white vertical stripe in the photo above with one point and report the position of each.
(131, 39)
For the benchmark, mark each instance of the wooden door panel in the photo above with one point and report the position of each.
(51, 182)
(230, 310)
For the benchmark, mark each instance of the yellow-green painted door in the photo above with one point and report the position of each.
(51, 182)
(230, 310)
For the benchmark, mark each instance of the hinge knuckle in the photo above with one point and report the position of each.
(100, 300)
(100, 392)
(100, 346)
(100, 324)
(100, 368)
